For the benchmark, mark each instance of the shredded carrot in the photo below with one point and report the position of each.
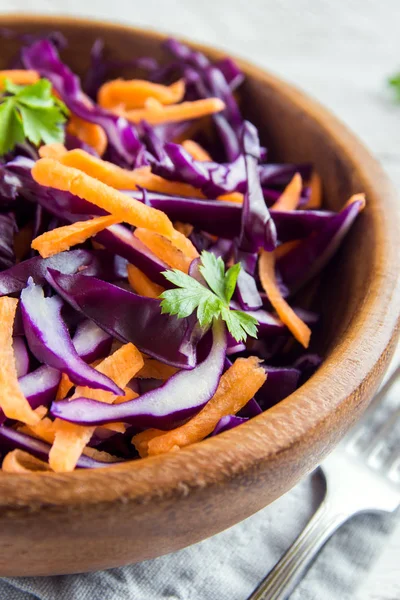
(154, 369)
(12, 401)
(123, 179)
(356, 198)
(132, 94)
(22, 241)
(64, 387)
(18, 461)
(70, 439)
(156, 113)
(164, 248)
(60, 239)
(232, 197)
(196, 151)
(285, 248)
(142, 285)
(50, 172)
(287, 315)
(236, 387)
(290, 197)
(185, 228)
(44, 430)
(55, 150)
(100, 455)
(19, 77)
(93, 135)
(315, 183)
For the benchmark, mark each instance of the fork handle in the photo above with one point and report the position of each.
(287, 573)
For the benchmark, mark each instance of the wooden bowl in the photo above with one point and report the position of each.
(86, 520)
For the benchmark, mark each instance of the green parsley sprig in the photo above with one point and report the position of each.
(211, 302)
(394, 82)
(30, 112)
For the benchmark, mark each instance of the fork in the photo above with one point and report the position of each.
(362, 475)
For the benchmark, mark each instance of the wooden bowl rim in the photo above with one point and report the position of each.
(218, 459)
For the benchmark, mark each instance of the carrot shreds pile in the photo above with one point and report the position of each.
(141, 284)
(164, 249)
(12, 401)
(232, 197)
(299, 329)
(70, 439)
(285, 248)
(19, 77)
(196, 151)
(50, 172)
(156, 113)
(132, 94)
(236, 387)
(60, 239)
(154, 369)
(185, 228)
(90, 133)
(290, 197)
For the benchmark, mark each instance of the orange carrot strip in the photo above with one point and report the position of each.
(290, 197)
(357, 198)
(44, 430)
(232, 197)
(12, 401)
(134, 93)
(64, 387)
(164, 248)
(185, 228)
(100, 455)
(142, 285)
(196, 151)
(19, 461)
(50, 172)
(19, 77)
(183, 244)
(154, 369)
(299, 329)
(55, 150)
(236, 387)
(60, 239)
(70, 439)
(90, 133)
(141, 440)
(156, 114)
(285, 248)
(315, 183)
(123, 179)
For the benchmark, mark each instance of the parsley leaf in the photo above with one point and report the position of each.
(32, 112)
(394, 82)
(210, 302)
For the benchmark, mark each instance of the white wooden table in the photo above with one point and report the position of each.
(340, 51)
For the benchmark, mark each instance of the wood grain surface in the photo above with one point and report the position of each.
(353, 109)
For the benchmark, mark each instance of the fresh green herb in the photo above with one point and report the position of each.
(211, 302)
(394, 82)
(30, 112)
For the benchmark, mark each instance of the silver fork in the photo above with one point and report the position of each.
(362, 475)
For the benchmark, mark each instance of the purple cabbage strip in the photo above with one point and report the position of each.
(307, 364)
(308, 258)
(230, 70)
(50, 342)
(8, 228)
(130, 318)
(280, 383)
(21, 355)
(280, 174)
(258, 229)
(122, 136)
(182, 396)
(93, 262)
(10, 439)
(228, 422)
(40, 386)
(91, 342)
